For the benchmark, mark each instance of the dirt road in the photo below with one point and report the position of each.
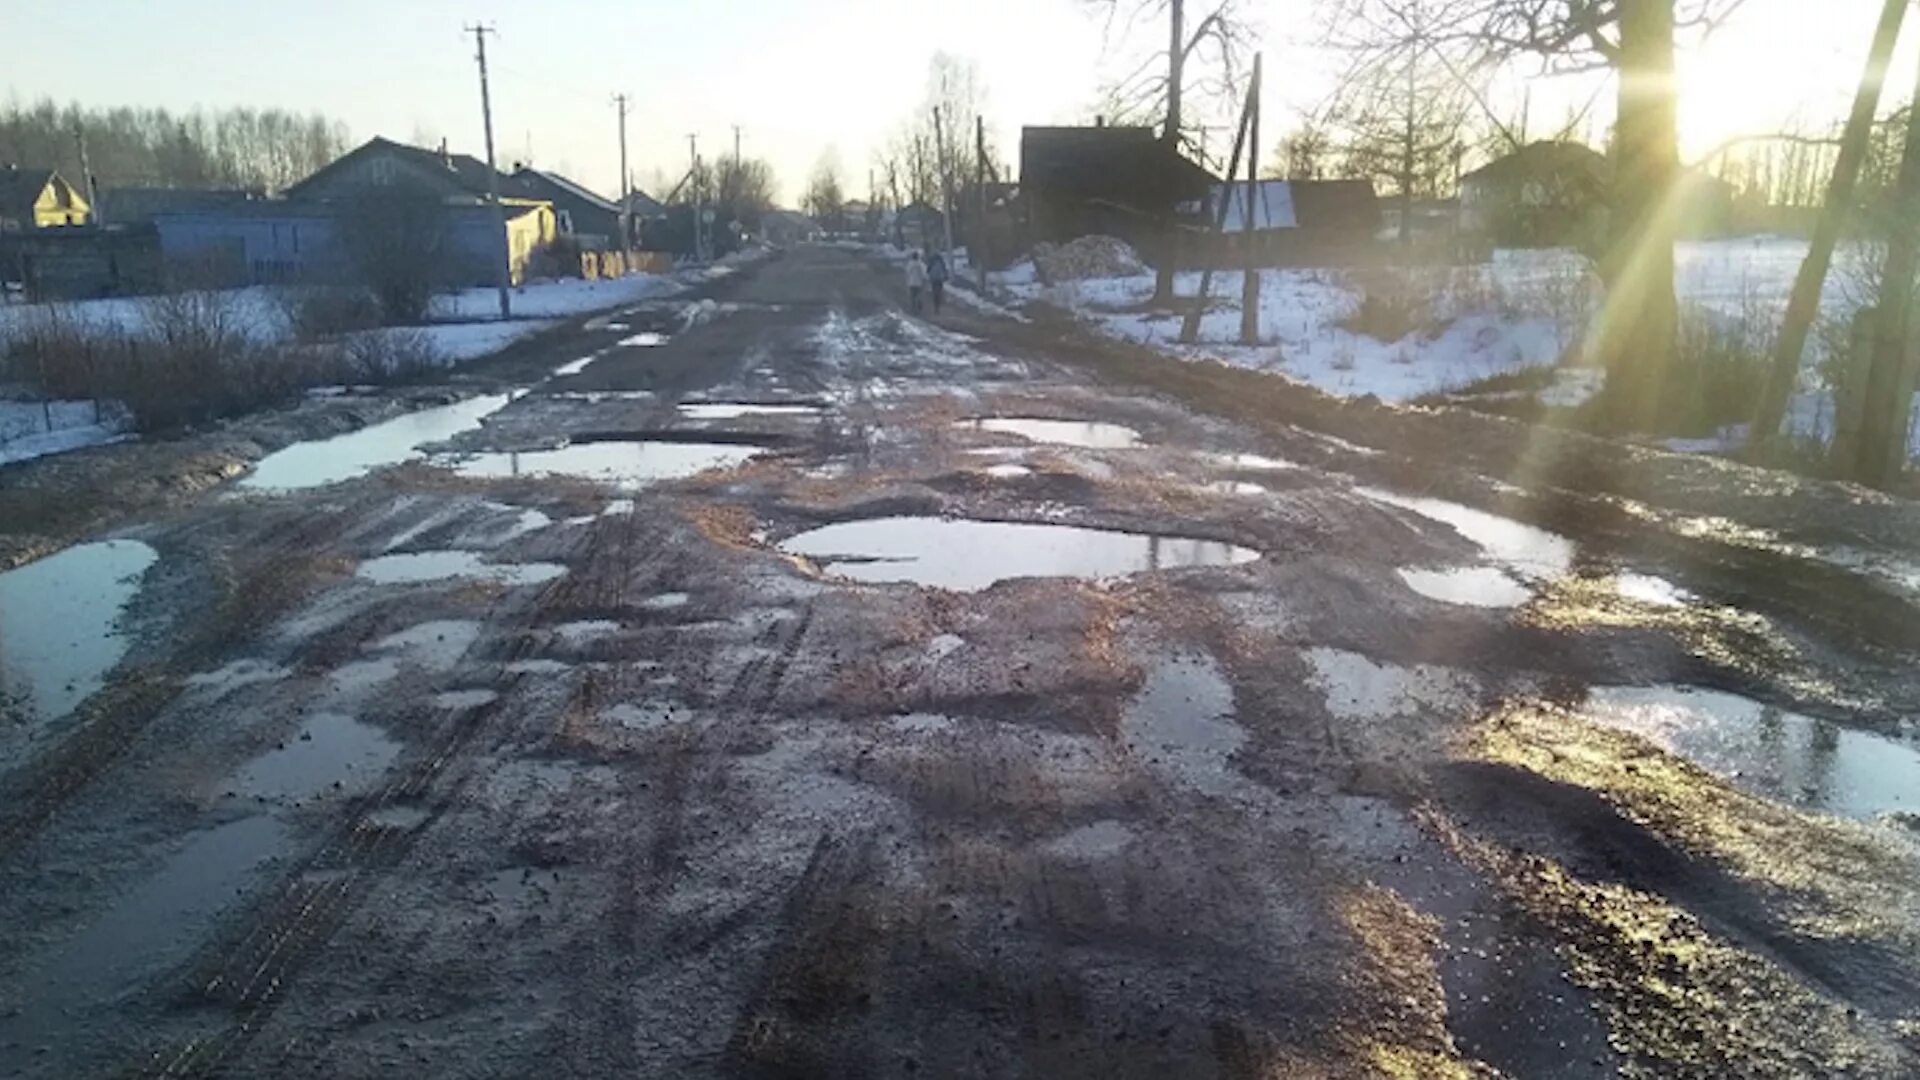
(779, 685)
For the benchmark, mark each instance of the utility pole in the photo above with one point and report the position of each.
(736, 145)
(86, 174)
(946, 185)
(693, 180)
(504, 269)
(626, 198)
(977, 249)
(1250, 289)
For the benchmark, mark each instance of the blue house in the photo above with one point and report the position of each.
(256, 242)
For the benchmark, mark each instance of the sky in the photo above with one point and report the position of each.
(802, 78)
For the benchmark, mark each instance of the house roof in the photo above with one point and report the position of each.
(1272, 206)
(467, 173)
(1108, 160)
(20, 189)
(641, 204)
(530, 178)
(134, 204)
(1541, 158)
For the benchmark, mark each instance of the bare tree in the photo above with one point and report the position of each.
(395, 244)
(1403, 111)
(1305, 154)
(1804, 303)
(1208, 59)
(826, 197)
(743, 190)
(1635, 334)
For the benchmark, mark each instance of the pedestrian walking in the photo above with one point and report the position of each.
(937, 275)
(916, 279)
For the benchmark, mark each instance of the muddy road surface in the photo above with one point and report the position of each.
(779, 685)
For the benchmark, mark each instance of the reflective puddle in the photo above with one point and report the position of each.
(971, 555)
(1091, 434)
(58, 616)
(575, 367)
(441, 565)
(1255, 462)
(1533, 554)
(734, 410)
(1779, 754)
(344, 457)
(643, 340)
(1473, 586)
(151, 928)
(627, 464)
(332, 753)
(1181, 724)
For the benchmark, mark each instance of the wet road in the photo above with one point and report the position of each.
(773, 684)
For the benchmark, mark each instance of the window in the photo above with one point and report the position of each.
(566, 222)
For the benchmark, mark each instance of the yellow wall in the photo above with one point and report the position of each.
(527, 235)
(60, 204)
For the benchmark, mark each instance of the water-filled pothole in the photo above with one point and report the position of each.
(1533, 554)
(440, 565)
(627, 464)
(645, 339)
(332, 752)
(150, 928)
(1092, 434)
(344, 457)
(1779, 754)
(1181, 724)
(969, 555)
(1469, 586)
(57, 624)
(734, 410)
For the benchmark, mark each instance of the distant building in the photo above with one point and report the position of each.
(139, 205)
(81, 263)
(39, 199)
(579, 212)
(788, 227)
(1298, 222)
(918, 225)
(383, 168)
(1544, 194)
(1114, 181)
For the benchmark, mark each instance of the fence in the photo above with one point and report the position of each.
(595, 265)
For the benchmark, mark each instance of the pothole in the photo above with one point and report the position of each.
(58, 616)
(424, 566)
(1472, 586)
(344, 457)
(1091, 434)
(626, 464)
(1783, 755)
(332, 752)
(1181, 724)
(734, 410)
(967, 555)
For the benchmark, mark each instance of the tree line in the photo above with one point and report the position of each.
(256, 149)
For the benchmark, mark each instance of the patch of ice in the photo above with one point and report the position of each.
(665, 601)
(465, 699)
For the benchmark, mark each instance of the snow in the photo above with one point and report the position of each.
(1523, 309)
(256, 312)
(558, 299)
(25, 431)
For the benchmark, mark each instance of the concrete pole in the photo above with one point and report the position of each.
(504, 269)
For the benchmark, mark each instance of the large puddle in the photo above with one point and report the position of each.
(971, 555)
(1091, 434)
(344, 457)
(1533, 554)
(441, 565)
(57, 625)
(149, 929)
(331, 753)
(1182, 724)
(1779, 754)
(734, 410)
(626, 464)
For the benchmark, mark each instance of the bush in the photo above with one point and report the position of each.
(390, 355)
(1720, 367)
(1392, 305)
(318, 312)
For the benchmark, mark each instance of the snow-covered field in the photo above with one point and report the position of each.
(465, 328)
(1524, 309)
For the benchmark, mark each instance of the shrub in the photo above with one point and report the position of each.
(1391, 305)
(390, 355)
(317, 312)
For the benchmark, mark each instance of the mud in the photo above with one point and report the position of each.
(861, 753)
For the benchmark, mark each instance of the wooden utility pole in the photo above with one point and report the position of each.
(1890, 380)
(626, 190)
(693, 180)
(1170, 136)
(1190, 326)
(1804, 303)
(1250, 287)
(978, 245)
(504, 265)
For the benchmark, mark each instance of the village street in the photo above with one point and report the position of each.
(769, 682)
